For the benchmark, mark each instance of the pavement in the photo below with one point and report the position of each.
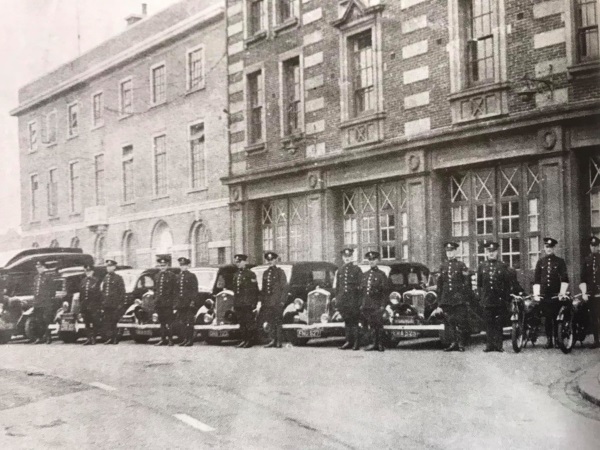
(589, 384)
(412, 397)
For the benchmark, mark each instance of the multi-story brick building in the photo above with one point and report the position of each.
(122, 149)
(397, 124)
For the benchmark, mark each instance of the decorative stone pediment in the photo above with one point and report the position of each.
(356, 10)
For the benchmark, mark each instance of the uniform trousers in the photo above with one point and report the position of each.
(456, 323)
(165, 318)
(494, 317)
(595, 316)
(110, 318)
(43, 316)
(550, 309)
(186, 317)
(245, 317)
(91, 318)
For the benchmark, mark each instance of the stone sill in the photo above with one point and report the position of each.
(584, 69)
(479, 90)
(255, 38)
(255, 149)
(363, 119)
(288, 24)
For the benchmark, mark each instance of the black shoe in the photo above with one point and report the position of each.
(88, 342)
(39, 341)
(114, 341)
(488, 349)
(48, 339)
(347, 345)
(189, 343)
(183, 343)
(595, 345)
(270, 344)
(452, 347)
(380, 348)
(241, 344)
(356, 345)
(170, 343)
(248, 344)
(500, 350)
(370, 348)
(460, 349)
(160, 343)
(278, 344)
(549, 344)
(108, 341)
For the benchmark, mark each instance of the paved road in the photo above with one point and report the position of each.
(414, 397)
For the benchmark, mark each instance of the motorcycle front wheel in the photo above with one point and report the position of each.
(517, 336)
(565, 335)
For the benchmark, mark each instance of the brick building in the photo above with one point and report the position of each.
(397, 124)
(122, 148)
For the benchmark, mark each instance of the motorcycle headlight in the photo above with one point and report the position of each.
(155, 318)
(298, 304)
(324, 318)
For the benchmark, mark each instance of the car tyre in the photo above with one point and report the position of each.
(292, 338)
(566, 339)
(140, 339)
(68, 337)
(213, 341)
(5, 337)
(517, 337)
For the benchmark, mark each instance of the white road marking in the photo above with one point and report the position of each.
(103, 386)
(193, 422)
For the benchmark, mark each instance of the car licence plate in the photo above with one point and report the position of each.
(143, 332)
(67, 326)
(218, 333)
(405, 333)
(309, 333)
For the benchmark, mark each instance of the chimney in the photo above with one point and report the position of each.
(133, 18)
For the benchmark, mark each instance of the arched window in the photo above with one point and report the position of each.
(128, 248)
(200, 245)
(75, 242)
(35, 245)
(99, 250)
(53, 243)
(162, 240)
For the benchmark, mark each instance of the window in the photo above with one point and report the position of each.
(99, 179)
(74, 187)
(292, 96)
(197, 156)
(362, 72)
(285, 228)
(160, 165)
(49, 128)
(586, 22)
(255, 106)
(376, 218)
(195, 68)
(200, 245)
(32, 132)
(52, 192)
(126, 97)
(287, 10)
(128, 249)
(75, 243)
(73, 119)
(159, 85)
(221, 255)
(479, 16)
(128, 184)
(594, 194)
(97, 109)
(35, 189)
(256, 16)
(99, 250)
(54, 244)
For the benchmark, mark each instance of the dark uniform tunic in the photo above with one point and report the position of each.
(453, 283)
(495, 283)
(590, 275)
(43, 299)
(113, 299)
(348, 292)
(245, 289)
(165, 290)
(90, 300)
(187, 294)
(550, 272)
(375, 289)
(274, 294)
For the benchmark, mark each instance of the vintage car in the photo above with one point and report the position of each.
(309, 312)
(141, 320)
(71, 325)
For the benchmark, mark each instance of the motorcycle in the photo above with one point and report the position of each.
(526, 318)
(573, 322)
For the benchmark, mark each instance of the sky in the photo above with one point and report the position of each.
(37, 36)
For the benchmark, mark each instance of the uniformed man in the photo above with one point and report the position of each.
(43, 298)
(185, 301)
(375, 289)
(494, 283)
(550, 285)
(590, 286)
(245, 289)
(113, 299)
(273, 298)
(452, 286)
(90, 300)
(348, 298)
(165, 288)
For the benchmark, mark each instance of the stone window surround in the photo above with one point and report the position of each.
(190, 160)
(248, 71)
(573, 65)
(297, 52)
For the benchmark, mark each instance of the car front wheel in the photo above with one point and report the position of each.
(292, 338)
(67, 337)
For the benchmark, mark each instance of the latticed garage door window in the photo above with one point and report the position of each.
(285, 228)
(376, 218)
(497, 204)
(594, 193)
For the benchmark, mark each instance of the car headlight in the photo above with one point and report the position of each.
(395, 298)
(65, 306)
(79, 318)
(155, 318)
(324, 318)
(1, 308)
(298, 304)
(137, 302)
(209, 303)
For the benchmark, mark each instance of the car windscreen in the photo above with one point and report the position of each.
(260, 270)
(206, 278)
(129, 278)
